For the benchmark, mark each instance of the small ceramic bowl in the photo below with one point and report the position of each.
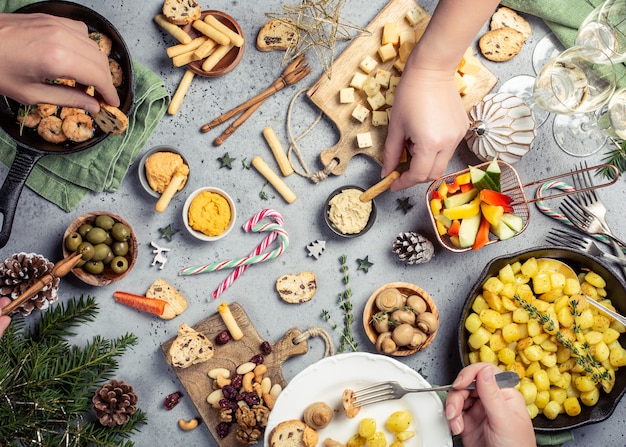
(107, 276)
(141, 170)
(230, 60)
(331, 225)
(406, 290)
(198, 234)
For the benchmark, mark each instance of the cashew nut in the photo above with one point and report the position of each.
(246, 381)
(222, 381)
(259, 371)
(188, 425)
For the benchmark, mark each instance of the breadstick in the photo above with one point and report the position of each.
(379, 188)
(184, 59)
(274, 179)
(170, 190)
(181, 48)
(174, 30)
(216, 56)
(278, 151)
(177, 99)
(205, 49)
(229, 321)
(235, 38)
(211, 32)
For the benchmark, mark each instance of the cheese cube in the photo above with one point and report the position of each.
(364, 140)
(357, 80)
(371, 87)
(399, 65)
(380, 118)
(393, 82)
(383, 77)
(387, 52)
(377, 101)
(346, 95)
(368, 64)
(414, 15)
(391, 33)
(407, 36)
(360, 112)
(469, 64)
(389, 97)
(405, 50)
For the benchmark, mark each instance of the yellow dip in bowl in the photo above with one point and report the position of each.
(209, 213)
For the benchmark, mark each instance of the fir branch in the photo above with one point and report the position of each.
(615, 156)
(57, 322)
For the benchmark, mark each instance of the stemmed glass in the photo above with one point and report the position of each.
(605, 29)
(573, 85)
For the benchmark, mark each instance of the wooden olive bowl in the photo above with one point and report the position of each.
(406, 289)
(108, 276)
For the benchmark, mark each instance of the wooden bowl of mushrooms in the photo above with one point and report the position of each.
(400, 319)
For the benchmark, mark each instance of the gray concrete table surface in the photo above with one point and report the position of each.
(448, 277)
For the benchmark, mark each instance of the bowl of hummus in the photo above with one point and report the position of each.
(209, 214)
(157, 168)
(346, 215)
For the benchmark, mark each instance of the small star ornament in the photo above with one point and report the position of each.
(226, 161)
(168, 232)
(404, 205)
(364, 264)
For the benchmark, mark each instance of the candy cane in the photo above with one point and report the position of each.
(258, 256)
(247, 227)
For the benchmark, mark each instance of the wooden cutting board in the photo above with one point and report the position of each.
(197, 383)
(325, 92)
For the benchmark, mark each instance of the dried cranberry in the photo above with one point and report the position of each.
(236, 381)
(226, 403)
(251, 398)
(222, 429)
(266, 348)
(258, 359)
(172, 400)
(222, 338)
(229, 392)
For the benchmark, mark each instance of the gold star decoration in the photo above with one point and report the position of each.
(319, 25)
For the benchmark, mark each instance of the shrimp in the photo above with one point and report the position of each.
(78, 127)
(117, 74)
(50, 129)
(105, 44)
(46, 110)
(67, 111)
(27, 116)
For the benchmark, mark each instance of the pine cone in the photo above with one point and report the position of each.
(413, 248)
(114, 403)
(19, 272)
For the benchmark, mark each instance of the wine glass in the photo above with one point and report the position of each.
(576, 83)
(605, 29)
(612, 119)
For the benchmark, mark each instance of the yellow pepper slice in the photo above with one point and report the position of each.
(463, 211)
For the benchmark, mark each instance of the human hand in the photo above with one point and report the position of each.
(4, 319)
(489, 416)
(428, 118)
(35, 48)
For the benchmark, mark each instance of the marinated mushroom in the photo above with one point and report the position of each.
(380, 321)
(403, 334)
(427, 322)
(389, 300)
(419, 338)
(417, 303)
(385, 344)
(403, 315)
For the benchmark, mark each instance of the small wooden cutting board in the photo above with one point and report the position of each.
(325, 92)
(197, 383)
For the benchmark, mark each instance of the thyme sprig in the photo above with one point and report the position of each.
(23, 112)
(345, 304)
(583, 357)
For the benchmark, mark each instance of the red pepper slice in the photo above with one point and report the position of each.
(454, 228)
(482, 237)
(495, 198)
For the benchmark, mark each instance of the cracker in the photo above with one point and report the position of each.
(181, 12)
(507, 18)
(298, 288)
(190, 347)
(293, 433)
(176, 302)
(277, 35)
(111, 119)
(501, 45)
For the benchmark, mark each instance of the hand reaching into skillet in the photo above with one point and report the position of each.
(428, 116)
(35, 48)
(489, 416)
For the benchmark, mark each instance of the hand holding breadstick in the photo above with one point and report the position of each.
(379, 188)
(177, 180)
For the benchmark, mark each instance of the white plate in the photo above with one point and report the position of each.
(325, 381)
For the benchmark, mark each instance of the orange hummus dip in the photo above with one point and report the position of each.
(161, 167)
(209, 213)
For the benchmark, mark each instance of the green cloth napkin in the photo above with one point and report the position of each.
(66, 179)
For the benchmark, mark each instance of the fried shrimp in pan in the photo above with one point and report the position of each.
(105, 44)
(51, 129)
(67, 111)
(78, 127)
(117, 75)
(30, 119)
(47, 109)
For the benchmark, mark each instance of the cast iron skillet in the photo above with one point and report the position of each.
(30, 146)
(616, 290)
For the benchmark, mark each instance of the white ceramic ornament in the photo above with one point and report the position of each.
(502, 125)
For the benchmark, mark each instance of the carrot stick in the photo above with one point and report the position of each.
(142, 303)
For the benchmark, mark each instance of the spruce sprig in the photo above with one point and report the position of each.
(615, 156)
(345, 304)
(46, 384)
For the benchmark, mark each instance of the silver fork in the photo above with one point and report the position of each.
(380, 392)
(566, 238)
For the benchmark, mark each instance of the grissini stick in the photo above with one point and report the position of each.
(379, 188)
(274, 179)
(177, 179)
(278, 151)
(60, 269)
(174, 30)
(181, 91)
